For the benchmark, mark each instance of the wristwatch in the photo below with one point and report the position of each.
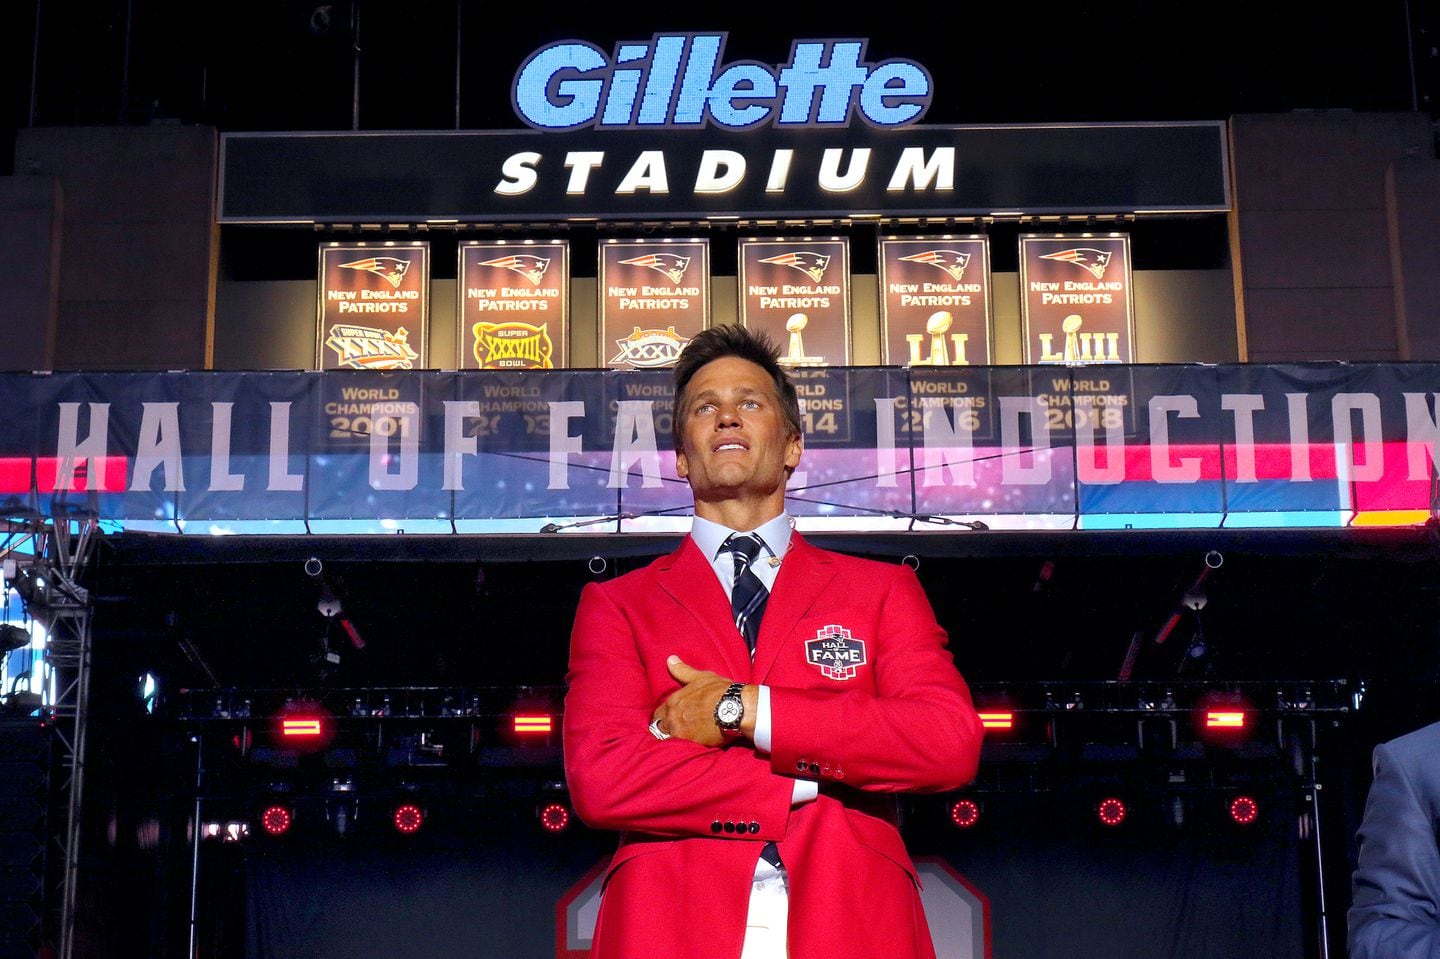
(730, 710)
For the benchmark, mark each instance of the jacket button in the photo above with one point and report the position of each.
(802, 765)
(839, 773)
(729, 826)
(814, 769)
(825, 770)
(754, 828)
(716, 826)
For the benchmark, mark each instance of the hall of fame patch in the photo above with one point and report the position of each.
(835, 653)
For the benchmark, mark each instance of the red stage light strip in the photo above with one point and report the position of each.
(1225, 719)
(997, 720)
(300, 727)
(534, 724)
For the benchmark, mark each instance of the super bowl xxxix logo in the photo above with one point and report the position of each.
(650, 349)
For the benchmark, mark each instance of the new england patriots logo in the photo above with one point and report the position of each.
(673, 267)
(388, 268)
(1093, 261)
(953, 262)
(811, 264)
(531, 267)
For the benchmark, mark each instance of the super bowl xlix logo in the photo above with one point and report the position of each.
(835, 653)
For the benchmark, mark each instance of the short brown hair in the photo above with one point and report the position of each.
(733, 340)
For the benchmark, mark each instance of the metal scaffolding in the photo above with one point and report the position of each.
(48, 557)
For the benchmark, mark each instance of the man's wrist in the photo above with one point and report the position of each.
(750, 696)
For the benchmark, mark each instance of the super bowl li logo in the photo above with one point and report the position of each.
(937, 326)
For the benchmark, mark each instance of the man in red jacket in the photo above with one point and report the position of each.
(744, 709)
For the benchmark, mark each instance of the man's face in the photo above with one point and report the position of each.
(737, 445)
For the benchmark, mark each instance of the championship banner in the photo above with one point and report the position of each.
(935, 301)
(513, 305)
(798, 292)
(373, 306)
(1077, 304)
(654, 297)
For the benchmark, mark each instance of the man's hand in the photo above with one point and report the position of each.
(689, 712)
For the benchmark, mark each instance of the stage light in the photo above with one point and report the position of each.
(408, 819)
(965, 813)
(533, 724)
(303, 726)
(1244, 810)
(276, 820)
(1225, 719)
(997, 719)
(1111, 811)
(225, 831)
(12, 637)
(555, 817)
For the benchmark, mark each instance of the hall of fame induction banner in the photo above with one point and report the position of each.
(654, 298)
(1077, 304)
(373, 306)
(935, 301)
(513, 305)
(797, 291)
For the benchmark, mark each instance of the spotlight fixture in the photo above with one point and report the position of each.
(408, 818)
(1111, 811)
(1244, 810)
(965, 813)
(554, 817)
(12, 637)
(276, 820)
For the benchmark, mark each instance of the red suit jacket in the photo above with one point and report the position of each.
(864, 699)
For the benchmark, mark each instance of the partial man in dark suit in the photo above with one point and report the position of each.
(744, 709)
(1395, 906)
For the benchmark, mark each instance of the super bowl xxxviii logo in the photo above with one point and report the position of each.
(650, 349)
(811, 264)
(512, 346)
(367, 348)
(1091, 261)
(835, 653)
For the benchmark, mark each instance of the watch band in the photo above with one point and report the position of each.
(731, 701)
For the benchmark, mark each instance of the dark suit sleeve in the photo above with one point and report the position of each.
(1394, 904)
(918, 730)
(621, 777)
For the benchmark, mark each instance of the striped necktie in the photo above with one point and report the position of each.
(747, 598)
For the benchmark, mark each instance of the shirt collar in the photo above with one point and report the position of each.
(710, 536)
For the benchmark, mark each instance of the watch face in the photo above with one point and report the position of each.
(729, 711)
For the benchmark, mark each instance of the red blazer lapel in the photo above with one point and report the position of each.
(691, 580)
(804, 574)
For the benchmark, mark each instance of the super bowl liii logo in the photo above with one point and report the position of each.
(835, 653)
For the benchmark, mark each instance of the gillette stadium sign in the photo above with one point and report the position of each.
(678, 80)
(822, 133)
